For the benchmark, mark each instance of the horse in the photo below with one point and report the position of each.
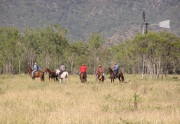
(83, 77)
(62, 76)
(52, 74)
(120, 76)
(112, 75)
(100, 76)
(36, 74)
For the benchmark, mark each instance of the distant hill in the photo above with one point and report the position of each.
(116, 20)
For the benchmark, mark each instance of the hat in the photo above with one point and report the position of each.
(35, 63)
(99, 65)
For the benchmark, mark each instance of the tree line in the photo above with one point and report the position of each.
(151, 53)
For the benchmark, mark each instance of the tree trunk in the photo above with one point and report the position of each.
(143, 62)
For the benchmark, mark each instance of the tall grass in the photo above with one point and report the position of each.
(24, 101)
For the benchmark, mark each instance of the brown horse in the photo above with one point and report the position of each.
(36, 74)
(83, 77)
(120, 76)
(52, 74)
(112, 75)
(100, 76)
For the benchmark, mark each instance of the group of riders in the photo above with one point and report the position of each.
(36, 68)
(100, 70)
(83, 68)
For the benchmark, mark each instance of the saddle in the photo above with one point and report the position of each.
(61, 72)
(84, 74)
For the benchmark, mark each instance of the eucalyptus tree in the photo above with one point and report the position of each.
(76, 54)
(9, 41)
(30, 38)
(60, 43)
(95, 48)
(148, 49)
(155, 50)
(124, 55)
(170, 52)
(45, 45)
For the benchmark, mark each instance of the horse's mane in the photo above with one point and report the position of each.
(47, 69)
(30, 68)
(110, 70)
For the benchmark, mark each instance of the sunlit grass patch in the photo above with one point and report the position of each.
(24, 100)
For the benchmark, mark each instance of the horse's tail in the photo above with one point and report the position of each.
(122, 76)
(67, 75)
(43, 75)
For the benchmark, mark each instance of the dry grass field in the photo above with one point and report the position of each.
(24, 101)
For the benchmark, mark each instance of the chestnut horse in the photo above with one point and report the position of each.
(36, 74)
(83, 77)
(112, 75)
(52, 74)
(100, 76)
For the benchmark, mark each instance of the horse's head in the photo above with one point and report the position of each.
(57, 71)
(29, 69)
(46, 70)
(110, 70)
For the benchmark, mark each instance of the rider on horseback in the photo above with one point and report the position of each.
(35, 68)
(83, 69)
(116, 68)
(99, 70)
(62, 69)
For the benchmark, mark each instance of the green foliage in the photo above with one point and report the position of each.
(50, 47)
(9, 42)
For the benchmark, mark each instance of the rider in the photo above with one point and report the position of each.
(99, 70)
(116, 68)
(62, 69)
(83, 69)
(35, 68)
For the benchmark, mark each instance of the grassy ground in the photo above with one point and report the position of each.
(24, 101)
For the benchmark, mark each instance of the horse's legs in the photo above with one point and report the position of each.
(56, 78)
(60, 81)
(43, 77)
(119, 77)
(122, 77)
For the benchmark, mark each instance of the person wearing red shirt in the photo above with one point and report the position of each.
(83, 68)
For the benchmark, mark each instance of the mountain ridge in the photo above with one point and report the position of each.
(115, 20)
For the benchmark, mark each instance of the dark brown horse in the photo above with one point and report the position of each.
(120, 76)
(83, 77)
(52, 74)
(36, 74)
(100, 76)
(112, 75)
